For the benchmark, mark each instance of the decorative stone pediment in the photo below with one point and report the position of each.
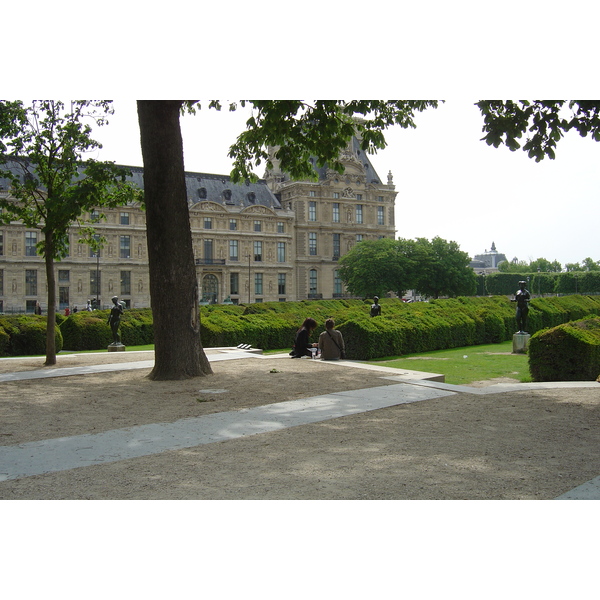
(211, 206)
(259, 210)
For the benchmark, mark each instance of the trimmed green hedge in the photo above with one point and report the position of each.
(87, 330)
(567, 352)
(25, 335)
(402, 328)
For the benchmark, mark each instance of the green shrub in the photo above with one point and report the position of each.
(25, 335)
(567, 352)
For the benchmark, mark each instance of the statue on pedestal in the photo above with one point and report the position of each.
(114, 320)
(522, 298)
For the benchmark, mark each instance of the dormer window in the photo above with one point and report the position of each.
(202, 193)
(251, 197)
(227, 195)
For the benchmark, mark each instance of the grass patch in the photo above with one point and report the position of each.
(467, 364)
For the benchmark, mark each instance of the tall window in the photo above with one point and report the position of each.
(336, 212)
(312, 193)
(257, 226)
(359, 237)
(125, 246)
(336, 195)
(95, 277)
(1, 243)
(359, 213)
(280, 227)
(124, 218)
(380, 216)
(258, 251)
(281, 284)
(380, 198)
(233, 250)
(280, 251)
(207, 223)
(1, 282)
(125, 283)
(336, 245)
(232, 224)
(30, 243)
(312, 281)
(234, 283)
(312, 244)
(359, 197)
(30, 282)
(337, 283)
(208, 250)
(258, 284)
(312, 211)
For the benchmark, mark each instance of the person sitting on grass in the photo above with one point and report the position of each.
(331, 342)
(302, 345)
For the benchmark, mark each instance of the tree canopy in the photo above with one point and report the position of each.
(433, 268)
(543, 121)
(52, 187)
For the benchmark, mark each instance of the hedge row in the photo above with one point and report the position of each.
(402, 328)
(573, 282)
(25, 335)
(567, 352)
(87, 330)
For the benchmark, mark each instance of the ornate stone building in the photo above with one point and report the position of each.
(274, 240)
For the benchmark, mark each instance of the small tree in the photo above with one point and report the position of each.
(41, 150)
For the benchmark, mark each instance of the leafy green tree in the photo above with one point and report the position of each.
(41, 150)
(590, 264)
(514, 266)
(543, 121)
(545, 266)
(375, 267)
(445, 270)
(300, 130)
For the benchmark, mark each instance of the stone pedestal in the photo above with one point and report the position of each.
(116, 347)
(520, 341)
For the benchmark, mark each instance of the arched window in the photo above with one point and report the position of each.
(210, 289)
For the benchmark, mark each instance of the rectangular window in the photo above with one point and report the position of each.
(336, 212)
(380, 198)
(280, 251)
(1, 283)
(258, 251)
(30, 282)
(124, 218)
(125, 283)
(281, 284)
(359, 213)
(359, 197)
(125, 246)
(232, 224)
(380, 216)
(208, 250)
(312, 281)
(280, 227)
(63, 296)
(207, 223)
(336, 245)
(233, 250)
(312, 211)
(359, 237)
(92, 253)
(234, 283)
(1, 243)
(30, 243)
(258, 284)
(336, 195)
(94, 216)
(257, 226)
(95, 277)
(337, 283)
(63, 276)
(312, 244)
(312, 193)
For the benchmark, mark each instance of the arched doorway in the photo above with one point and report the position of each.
(210, 289)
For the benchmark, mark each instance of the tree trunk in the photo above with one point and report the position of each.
(51, 314)
(173, 282)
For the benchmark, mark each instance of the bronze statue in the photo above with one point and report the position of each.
(522, 298)
(375, 307)
(114, 319)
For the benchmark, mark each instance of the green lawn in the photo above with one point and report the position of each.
(465, 365)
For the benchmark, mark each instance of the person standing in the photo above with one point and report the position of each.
(331, 342)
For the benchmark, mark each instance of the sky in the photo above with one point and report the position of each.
(449, 182)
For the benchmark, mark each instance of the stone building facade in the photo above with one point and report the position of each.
(274, 240)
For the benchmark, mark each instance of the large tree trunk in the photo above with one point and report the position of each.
(51, 316)
(173, 283)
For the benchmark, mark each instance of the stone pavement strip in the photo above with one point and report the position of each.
(60, 454)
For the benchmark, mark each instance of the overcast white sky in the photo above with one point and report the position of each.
(449, 183)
